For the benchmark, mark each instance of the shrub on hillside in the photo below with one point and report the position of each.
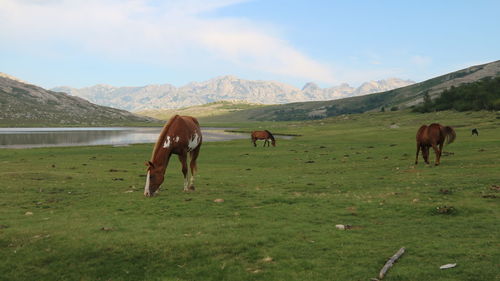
(480, 95)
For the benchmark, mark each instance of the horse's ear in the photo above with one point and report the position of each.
(149, 164)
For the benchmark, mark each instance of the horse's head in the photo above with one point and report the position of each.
(154, 179)
(273, 142)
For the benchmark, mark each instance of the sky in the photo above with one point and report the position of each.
(139, 42)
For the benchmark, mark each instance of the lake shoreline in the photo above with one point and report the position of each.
(29, 137)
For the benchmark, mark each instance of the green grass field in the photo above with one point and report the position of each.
(79, 213)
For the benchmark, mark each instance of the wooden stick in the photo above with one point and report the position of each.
(390, 262)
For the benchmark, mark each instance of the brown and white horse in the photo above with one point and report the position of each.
(433, 136)
(181, 136)
(263, 135)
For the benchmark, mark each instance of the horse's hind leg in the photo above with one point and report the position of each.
(193, 166)
(183, 159)
(425, 153)
(418, 150)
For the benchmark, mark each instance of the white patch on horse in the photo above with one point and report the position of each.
(166, 144)
(177, 139)
(193, 143)
(146, 188)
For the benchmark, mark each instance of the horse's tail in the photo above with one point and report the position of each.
(449, 133)
(270, 135)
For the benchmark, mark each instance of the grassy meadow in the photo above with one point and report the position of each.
(79, 213)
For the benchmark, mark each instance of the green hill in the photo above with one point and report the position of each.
(23, 104)
(400, 98)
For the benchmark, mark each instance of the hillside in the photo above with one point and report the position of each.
(400, 98)
(23, 104)
(222, 88)
(208, 110)
(480, 95)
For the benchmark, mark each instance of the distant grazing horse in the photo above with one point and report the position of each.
(181, 136)
(475, 132)
(433, 135)
(263, 135)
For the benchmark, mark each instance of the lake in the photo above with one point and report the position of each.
(117, 136)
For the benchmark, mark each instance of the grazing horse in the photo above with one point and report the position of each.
(181, 136)
(263, 135)
(433, 135)
(475, 132)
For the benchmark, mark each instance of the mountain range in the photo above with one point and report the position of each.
(224, 88)
(395, 99)
(23, 104)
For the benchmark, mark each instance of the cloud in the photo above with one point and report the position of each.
(160, 32)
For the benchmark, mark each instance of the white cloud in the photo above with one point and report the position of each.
(158, 32)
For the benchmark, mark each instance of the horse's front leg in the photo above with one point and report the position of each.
(192, 166)
(183, 159)
(438, 153)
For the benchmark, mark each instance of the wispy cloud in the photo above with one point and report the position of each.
(179, 32)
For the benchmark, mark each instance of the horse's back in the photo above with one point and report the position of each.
(184, 128)
(426, 134)
(435, 126)
(259, 134)
(435, 133)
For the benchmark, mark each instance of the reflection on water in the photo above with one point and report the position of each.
(45, 137)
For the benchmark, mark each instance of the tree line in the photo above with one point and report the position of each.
(481, 95)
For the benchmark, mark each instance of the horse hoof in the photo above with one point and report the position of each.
(191, 188)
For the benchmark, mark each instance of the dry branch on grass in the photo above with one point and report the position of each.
(389, 263)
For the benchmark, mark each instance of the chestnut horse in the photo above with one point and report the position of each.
(263, 135)
(433, 135)
(181, 136)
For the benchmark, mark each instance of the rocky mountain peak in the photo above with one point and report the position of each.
(310, 86)
(228, 87)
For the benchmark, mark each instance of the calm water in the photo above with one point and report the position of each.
(47, 137)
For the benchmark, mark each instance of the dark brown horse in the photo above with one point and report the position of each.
(433, 136)
(181, 136)
(263, 135)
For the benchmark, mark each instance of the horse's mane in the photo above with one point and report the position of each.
(163, 133)
(270, 135)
